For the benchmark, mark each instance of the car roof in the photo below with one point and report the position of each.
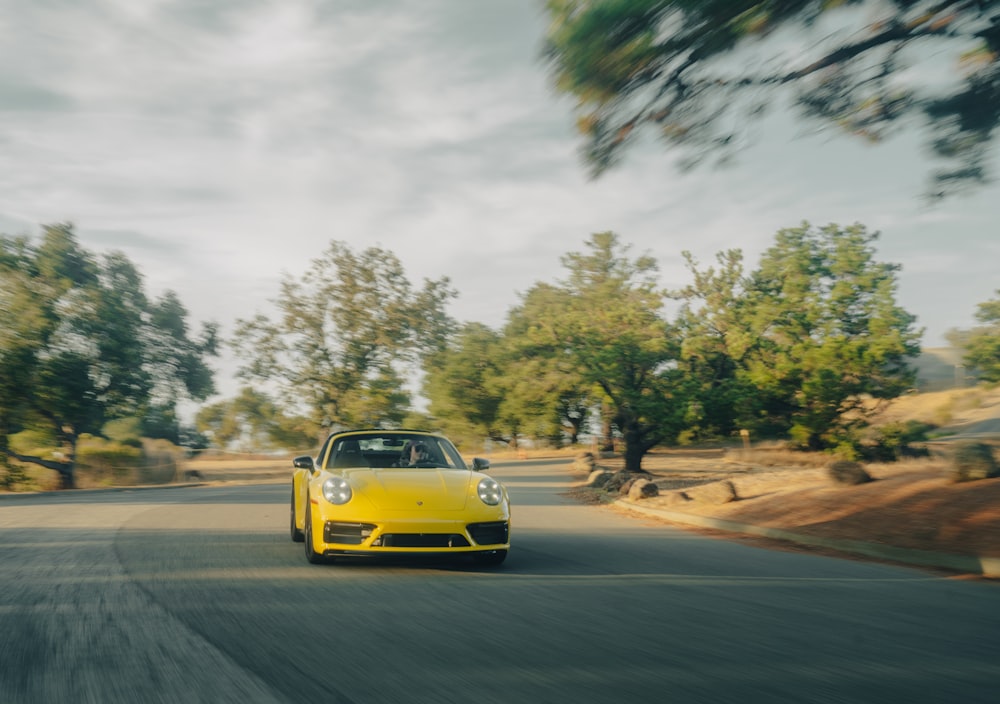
(376, 431)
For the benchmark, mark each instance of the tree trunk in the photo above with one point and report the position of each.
(67, 479)
(634, 453)
(635, 447)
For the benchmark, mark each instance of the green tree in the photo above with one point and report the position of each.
(606, 320)
(349, 328)
(253, 422)
(543, 388)
(21, 329)
(832, 338)
(695, 72)
(82, 344)
(465, 386)
(982, 343)
(715, 326)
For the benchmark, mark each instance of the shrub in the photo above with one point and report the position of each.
(893, 441)
(973, 461)
(103, 463)
(37, 443)
(125, 431)
(12, 476)
(161, 459)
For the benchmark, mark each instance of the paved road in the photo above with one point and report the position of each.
(198, 595)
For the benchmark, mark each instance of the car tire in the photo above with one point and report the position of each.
(493, 558)
(297, 535)
(312, 556)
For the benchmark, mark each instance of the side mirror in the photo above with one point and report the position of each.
(304, 462)
(480, 464)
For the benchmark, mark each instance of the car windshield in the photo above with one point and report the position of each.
(393, 449)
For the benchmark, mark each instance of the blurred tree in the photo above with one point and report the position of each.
(81, 344)
(348, 328)
(981, 345)
(831, 337)
(175, 362)
(696, 72)
(253, 422)
(465, 386)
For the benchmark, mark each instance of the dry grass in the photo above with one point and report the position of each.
(956, 411)
(911, 504)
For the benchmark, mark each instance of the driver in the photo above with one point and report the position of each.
(414, 452)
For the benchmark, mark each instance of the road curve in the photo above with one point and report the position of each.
(198, 595)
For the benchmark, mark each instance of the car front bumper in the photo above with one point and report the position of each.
(411, 536)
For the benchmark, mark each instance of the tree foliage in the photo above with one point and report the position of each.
(695, 72)
(81, 344)
(544, 389)
(831, 335)
(464, 385)
(715, 324)
(253, 422)
(605, 322)
(349, 328)
(982, 343)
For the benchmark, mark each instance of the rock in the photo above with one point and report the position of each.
(624, 488)
(675, 498)
(621, 478)
(584, 462)
(642, 489)
(847, 473)
(599, 478)
(715, 493)
(973, 461)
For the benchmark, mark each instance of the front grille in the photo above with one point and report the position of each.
(422, 540)
(493, 533)
(346, 533)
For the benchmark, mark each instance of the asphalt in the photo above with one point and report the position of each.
(966, 564)
(988, 567)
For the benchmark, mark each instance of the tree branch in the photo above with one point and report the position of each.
(61, 467)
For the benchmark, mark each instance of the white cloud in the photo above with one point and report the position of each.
(222, 145)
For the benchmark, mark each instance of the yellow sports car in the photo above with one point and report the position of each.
(392, 492)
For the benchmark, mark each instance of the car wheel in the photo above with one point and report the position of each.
(491, 558)
(297, 535)
(312, 556)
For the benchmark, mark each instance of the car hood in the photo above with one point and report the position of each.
(407, 488)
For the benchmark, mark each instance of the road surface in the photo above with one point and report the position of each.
(199, 595)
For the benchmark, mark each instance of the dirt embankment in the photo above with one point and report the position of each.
(913, 504)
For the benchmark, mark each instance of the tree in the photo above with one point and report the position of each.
(831, 337)
(83, 344)
(982, 343)
(606, 321)
(254, 422)
(349, 327)
(543, 388)
(715, 325)
(465, 386)
(695, 72)
(22, 325)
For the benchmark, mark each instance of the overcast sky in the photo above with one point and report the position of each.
(221, 145)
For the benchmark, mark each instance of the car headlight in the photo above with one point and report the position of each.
(336, 490)
(490, 492)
